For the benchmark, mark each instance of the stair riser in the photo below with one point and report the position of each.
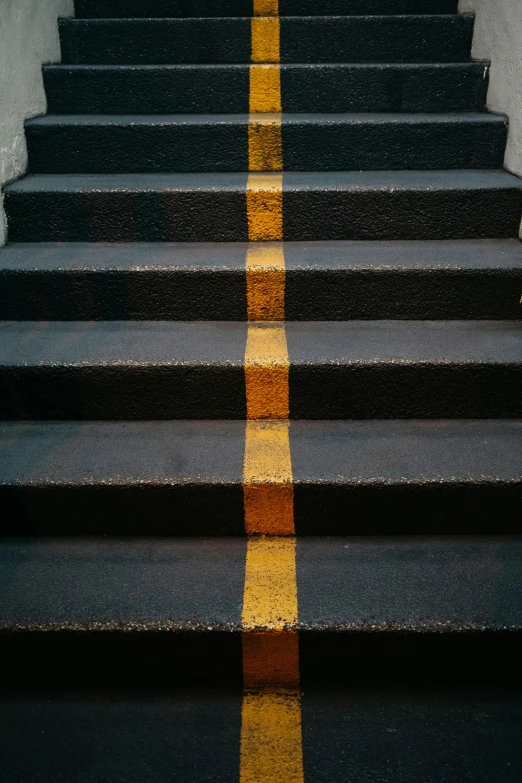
(313, 146)
(221, 296)
(304, 88)
(379, 391)
(221, 216)
(320, 509)
(368, 39)
(195, 8)
(212, 658)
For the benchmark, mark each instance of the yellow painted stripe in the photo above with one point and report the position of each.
(264, 197)
(268, 492)
(265, 143)
(266, 7)
(271, 735)
(270, 595)
(266, 36)
(271, 738)
(267, 372)
(266, 279)
(265, 89)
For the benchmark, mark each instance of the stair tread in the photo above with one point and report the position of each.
(468, 180)
(146, 735)
(177, 8)
(340, 453)
(296, 118)
(356, 38)
(222, 343)
(483, 254)
(474, 66)
(453, 584)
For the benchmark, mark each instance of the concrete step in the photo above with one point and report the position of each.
(370, 610)
(196, 370)
(194, 8)
(148, 89)
(211, 207)
(313, 39)
(152, 735)
(185, 478)
(324, 281)
(93, 144)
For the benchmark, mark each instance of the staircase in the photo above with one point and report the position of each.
(261, 402)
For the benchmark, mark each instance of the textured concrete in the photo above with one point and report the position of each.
(412, 735)
(185, 477)
(498, 37)
(148, 8)
(451, 585)
(400, 734)
(29, 37)
(195, 370)
(453, 204)
(94, 144)
(149, 89)
(143, 736)
(385, 39)
(207, 281)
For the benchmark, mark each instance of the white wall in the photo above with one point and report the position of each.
(498, 37)
(28, 38)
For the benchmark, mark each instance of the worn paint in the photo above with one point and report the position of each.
(265, 142)
(264, 196)
(268, 491)
(266, 279)
(271, 737)
(267, 369)
(271, 744)
(270, 595)
(271, 660)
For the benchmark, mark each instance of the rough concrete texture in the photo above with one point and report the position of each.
(498, 37)
(28, 38)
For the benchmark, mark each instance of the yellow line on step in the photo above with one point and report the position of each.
(266, 7)
(264, 198)
(267, 369)
(271, 736)
(268, 492)
(264, 134)
(265, 142)
(265, 89)
(266, 280)
(270, 596)
(266, 39)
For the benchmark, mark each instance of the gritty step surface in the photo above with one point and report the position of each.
(316, 206)
(435, 584)
(188, 8)
(314, 39)
(195, 369)
(185, 478)
(389, 734)
(219, 142)
(146, 89)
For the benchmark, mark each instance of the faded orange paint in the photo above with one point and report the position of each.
(266, 281)
(271, 660)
